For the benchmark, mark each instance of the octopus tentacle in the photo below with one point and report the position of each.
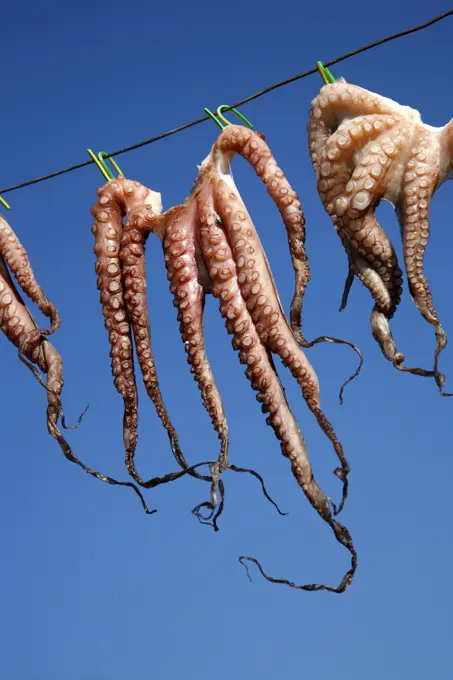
(371, 174)
(262, 301)
(17, 323)
(335, 102)
(339, 184)
(183, 274)
(16, 258)
(252, 146)
(134, 272)
(351, 136)
(347, 285)
(262, 374)
(380, 315)
(419, 183)
(108, 213)
(367, 237)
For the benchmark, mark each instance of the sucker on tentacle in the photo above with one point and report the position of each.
(366, 148)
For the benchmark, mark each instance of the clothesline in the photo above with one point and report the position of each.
(266, 90)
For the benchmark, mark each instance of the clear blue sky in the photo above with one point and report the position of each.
(91, 588)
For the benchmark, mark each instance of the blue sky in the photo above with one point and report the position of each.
(91, 588)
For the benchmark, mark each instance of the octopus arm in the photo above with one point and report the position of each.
(108, 213)
(371, 178)
(265, 381)
(137, 203)
(360, 193)
(16, 258)
(380, 315)
(347, 285)
(18, 325)
(251, 146)
(259, 293)
(335, 102)
(236, 139)
(418, 186)
(134, 272)
(183, 274)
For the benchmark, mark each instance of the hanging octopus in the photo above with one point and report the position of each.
(366, 148)
(120, 266)
(35, 350)
(211, 246)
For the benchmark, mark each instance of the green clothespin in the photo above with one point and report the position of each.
(222, 118)
(4, 203)
(326, 75)
(102, 165)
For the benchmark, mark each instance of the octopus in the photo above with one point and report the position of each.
(366, 148)
(211, 246)
(35, 350)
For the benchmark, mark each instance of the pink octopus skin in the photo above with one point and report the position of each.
(366, 148)
(35, 350)
(211, 245)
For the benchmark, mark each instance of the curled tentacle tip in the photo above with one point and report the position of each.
(206, 519)
(79, 419)
(242, 561)
(341, 393)
(197, 513)
(440, 382)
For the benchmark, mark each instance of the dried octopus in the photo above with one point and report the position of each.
(35, 350)
(121, 270)
(366, 148)
(211, 246)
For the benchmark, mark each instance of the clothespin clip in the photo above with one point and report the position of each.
(102, 165)
(4, 203)
(325, 73)
(222, 118)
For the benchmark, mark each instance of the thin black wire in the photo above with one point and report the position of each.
(293, 79)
